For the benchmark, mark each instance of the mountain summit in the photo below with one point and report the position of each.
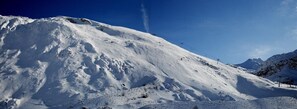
(280, 67)
(64, 62)
(252, 64)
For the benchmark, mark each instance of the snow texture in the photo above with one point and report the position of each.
(264, 103)
(64, 62)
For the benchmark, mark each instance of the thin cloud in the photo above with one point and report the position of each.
(287, 8)
(293, 34)
(145, 17)
(261, 52)
(286, 2)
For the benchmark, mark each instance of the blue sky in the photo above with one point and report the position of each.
(230, 30)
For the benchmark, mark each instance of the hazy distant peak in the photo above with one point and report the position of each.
(252, 64)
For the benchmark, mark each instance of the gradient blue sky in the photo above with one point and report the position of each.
(231, 30)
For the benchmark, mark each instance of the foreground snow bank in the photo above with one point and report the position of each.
(264, 103)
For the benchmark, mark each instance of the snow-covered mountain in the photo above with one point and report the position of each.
(64, 62)
(251, 64)
(281, 67)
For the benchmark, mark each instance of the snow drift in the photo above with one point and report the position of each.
(64, 62)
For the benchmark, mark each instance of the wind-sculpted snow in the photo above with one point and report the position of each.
(65, 62)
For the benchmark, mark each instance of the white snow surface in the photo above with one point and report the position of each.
(263, 103)
(64, 62)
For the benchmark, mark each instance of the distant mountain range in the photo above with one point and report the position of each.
(280, 67)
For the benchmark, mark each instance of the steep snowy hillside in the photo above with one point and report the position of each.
(251, 64)
(64, 62)
(282, 67)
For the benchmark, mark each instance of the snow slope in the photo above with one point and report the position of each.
(64, 62)
(263, 103)
(281, 67)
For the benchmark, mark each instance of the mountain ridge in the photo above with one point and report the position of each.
(65, 62)
(251, 64)
(280, 67)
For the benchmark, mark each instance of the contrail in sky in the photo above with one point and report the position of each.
(145, 17)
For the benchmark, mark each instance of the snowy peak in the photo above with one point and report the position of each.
(251, 64)
(281, 57)
(281, 67)
(64, 62)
